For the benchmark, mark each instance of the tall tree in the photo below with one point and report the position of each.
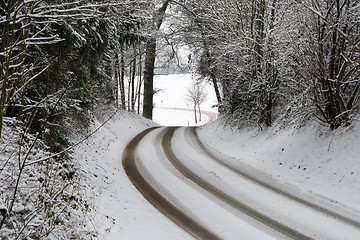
(197, 95)
(158, 18)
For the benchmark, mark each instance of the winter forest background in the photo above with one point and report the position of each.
(270, 61)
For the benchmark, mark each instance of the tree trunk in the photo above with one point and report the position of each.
(4, 63)
(118, 85)
(133, 83)
(122, 79)
(217, 91)
(212, 73)
(199, 111)
(113, 76)
(195, 113)
(149, 78)
(129, 88)
(150, 63)
(140, 81)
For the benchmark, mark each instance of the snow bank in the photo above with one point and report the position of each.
(320, 164)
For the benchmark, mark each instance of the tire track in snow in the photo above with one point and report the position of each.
(166, 144)
(156, 199)
(269, 186)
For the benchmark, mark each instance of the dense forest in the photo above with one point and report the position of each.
(270, 61)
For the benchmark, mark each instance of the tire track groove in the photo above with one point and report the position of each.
(271, 187)
(155, 198)
(287, 231)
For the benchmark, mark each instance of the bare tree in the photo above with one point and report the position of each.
(332, 32)
(196, 94)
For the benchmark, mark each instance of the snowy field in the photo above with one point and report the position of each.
(171, 106)
(320, 166)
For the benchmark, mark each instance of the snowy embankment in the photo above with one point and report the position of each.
(120, 211)
(318, 164)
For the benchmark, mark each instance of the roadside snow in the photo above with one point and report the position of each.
(47, 203)
(317, 163)
(121, 212)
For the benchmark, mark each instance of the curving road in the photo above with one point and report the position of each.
(212, 116)
(212, 199)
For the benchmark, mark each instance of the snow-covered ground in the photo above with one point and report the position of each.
(323, 166)
(313, 160)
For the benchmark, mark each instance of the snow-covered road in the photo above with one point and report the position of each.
(211, 199)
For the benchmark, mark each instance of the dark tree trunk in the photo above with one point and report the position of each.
(133, 83)
(4, 64)
(149, 78)
(199, 111)
(122, 80)
(212, 73)
(140, 81)
(195, 113)
(150, 63)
